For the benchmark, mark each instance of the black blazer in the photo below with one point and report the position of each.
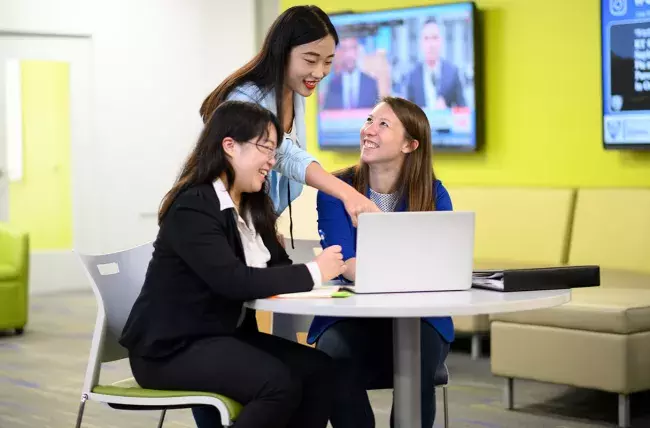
(197, 279)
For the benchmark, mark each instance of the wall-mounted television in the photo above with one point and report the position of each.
(625, 34)
(424, 54)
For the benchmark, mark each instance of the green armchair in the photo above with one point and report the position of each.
(14, 277)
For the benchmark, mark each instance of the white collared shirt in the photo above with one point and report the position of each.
(291, 135)
(351, 88)
(430, 90)
(255, 252)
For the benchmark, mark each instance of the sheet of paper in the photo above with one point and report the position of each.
(324, 292)
(488, 274)
(494, 284)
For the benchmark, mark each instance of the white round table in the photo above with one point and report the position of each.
(406, 309)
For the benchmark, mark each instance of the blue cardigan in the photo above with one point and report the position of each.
(335, 222)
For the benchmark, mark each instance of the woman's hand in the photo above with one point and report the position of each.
(330, 262)
(281, 239)
(355, 203)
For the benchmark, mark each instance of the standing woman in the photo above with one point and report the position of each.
(297, 54)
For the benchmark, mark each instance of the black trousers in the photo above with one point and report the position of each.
(280, 383)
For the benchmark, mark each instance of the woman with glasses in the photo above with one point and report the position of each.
(216, 249)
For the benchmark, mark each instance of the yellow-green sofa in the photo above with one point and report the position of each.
(601, 339)
(514, 227)
(14, 278)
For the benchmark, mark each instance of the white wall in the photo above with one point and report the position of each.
(153, 62)
(43, 16)
(265, 13)
(52, 270)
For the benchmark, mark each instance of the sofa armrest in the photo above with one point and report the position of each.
(14, 248)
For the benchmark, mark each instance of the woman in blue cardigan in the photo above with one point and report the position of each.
(395, 172)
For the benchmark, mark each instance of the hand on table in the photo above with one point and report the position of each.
(330, 262)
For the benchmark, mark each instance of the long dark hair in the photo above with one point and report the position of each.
(417, 176)
(296, 26)
(242, 122)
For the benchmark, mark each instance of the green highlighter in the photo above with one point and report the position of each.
(342, 293)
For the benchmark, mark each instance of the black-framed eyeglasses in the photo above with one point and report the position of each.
(269, 151)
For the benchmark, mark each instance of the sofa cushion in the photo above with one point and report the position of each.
(599, 309)
(8, 272)
(526, 225)
(611, 229)
(471, 324)
(609, 362)
(612, 278)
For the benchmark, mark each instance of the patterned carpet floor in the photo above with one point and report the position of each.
(41, 374)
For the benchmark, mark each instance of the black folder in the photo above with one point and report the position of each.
(536, 279)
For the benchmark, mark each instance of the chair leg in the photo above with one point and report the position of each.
(162, 418)
(476, 346)
(445, 406)
(80, 414)
(508, 393)
(623, 410)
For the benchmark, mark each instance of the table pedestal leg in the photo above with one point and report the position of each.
(283, 326)
(407, 367)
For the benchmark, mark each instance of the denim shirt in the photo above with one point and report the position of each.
(288, 175)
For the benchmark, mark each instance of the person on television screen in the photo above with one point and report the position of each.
(434, 83)
(350, 88)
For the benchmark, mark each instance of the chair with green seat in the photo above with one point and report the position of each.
(14, 278)
(116, 280)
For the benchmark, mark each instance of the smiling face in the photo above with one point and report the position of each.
(252, 160)
(384, 139)
(309, 64)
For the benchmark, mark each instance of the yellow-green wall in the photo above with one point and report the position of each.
(542, 99)
(41, 202)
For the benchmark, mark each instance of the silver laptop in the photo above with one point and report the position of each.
(414, 252)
